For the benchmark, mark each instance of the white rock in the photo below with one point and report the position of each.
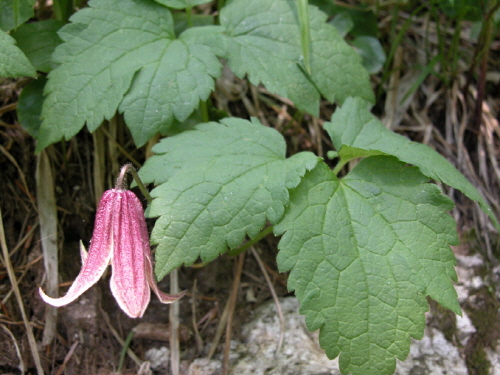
(465, 328)
(158, 358)
(204, 366)
(469, 261)
(494, 358)
(301, 354)
(433, 355)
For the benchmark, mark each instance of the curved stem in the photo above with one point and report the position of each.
(339, 166)
(121, 183)
(250, 243)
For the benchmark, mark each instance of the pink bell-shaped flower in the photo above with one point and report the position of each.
(120, 236)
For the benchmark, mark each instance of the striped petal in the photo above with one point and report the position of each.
(163, 297)
(120, 236)
(128, 281)
(98, 257)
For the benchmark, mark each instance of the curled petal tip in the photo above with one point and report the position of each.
(57, 302)
(169, 298)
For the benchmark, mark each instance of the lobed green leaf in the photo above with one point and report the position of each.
(13, 62)
(355, 131)
(38, 41)
(12, 16)
(363, 253)
(123, 55)
(29, 107)
(264, 43)
(217, 184)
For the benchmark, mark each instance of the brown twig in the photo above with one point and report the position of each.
(275, 298)
(17, 292)
(174, 325)
(232, 304)
(67, 357)
(21, 176)
(219, 331)
(22, 366)
(199, 340)
(117, 336)
(120, 147)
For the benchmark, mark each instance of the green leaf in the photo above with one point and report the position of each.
(38, 41)
(181, 4)
(365, 21)
(170, 87)
(12, 16)
(122, 54)
(363, 253)
(13, 63)
(181, 22)
(328, 7)
(264, 43)
(217, 184)
(30, 104)
(209, 36)
(353, 126)
(470, 10)
(371, 51)
(343, 23)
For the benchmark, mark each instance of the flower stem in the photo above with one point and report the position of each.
(121, 184)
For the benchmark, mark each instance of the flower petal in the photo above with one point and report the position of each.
(163, 297)
(97, 259)
(128, 281)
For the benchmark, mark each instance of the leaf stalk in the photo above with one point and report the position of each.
(305, 36)
(250, 243)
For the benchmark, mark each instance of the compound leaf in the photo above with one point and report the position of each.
(13, 62)
(363, 253)
(217, 184)
(123, 54)
(355, 131)
(264, 43)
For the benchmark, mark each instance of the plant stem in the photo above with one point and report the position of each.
(483, 53)
(232, 304)
(125, 346)
(220, 5)
(339, 166)
(189, 16)
(305, 36)
(120, 181)
(12, 276)
(15, 8)
(204, 111)
(174, 325)
(63, 9)
(250, 243)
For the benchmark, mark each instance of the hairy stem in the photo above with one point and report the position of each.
(121, 184)
(250, 243)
